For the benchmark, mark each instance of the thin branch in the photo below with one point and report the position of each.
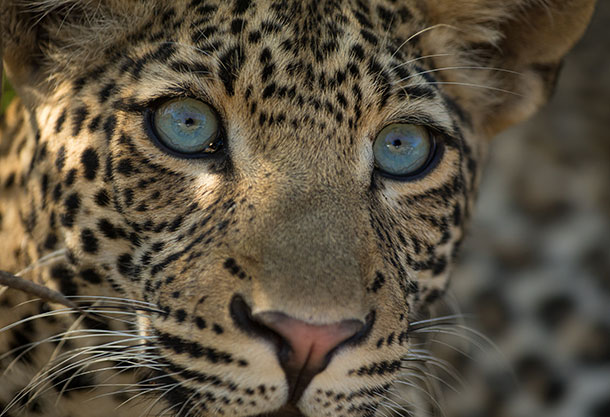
(17, 283)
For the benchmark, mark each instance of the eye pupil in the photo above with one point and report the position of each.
(189, 122)
(397, 142)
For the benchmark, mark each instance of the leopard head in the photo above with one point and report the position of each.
(284, 184)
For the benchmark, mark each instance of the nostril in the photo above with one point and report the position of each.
(303, 349)
(242, 317)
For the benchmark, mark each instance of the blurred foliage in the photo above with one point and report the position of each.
(7, 94)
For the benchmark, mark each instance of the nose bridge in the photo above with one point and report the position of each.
(307, 242)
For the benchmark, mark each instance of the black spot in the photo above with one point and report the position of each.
(60, 158)
(369, 37)
(200, 322)
(358, 52)
(90, 162)
(125, 167)
(94, 123)
(89, 241)
(109, 127)
(254, 36)
(10, 180)
(80, 114)
(72, 205)
(230, 66)
(107, 91)
(180, 315)
(125, 264)
(109, 230)
(65, 277)
(57, 192)
(70, 177)
(237, 25)
(378, 282)
(91, 275)
(101, 198)
(269, 90)
(385, 15)
(51, 241)
(157, 247)
(128, 196)
(60, 121)
(241, 6)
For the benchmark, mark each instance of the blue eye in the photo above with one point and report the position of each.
(402, 149)
(187, 126)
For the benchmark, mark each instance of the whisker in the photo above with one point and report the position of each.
(427, 394)
(98, 310)
(415, 325)
(472, 67)
(427, 29)
(171, 388)
(43, 261)
(486, 87)
(189, 399)
(393, 405)
(423, 357)
(87, 333)
(419, 58)
(96, 356)
(425, 374)
(102, 297)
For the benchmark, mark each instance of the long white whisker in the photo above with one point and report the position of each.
(429, 28)
(419, 58)
(472, 67)
(116, 299)
(449, 319)
(43, 261)
(486, 87)
(71, 335)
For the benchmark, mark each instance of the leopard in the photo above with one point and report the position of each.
(251, 206)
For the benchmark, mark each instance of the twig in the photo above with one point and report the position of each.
(45, 293)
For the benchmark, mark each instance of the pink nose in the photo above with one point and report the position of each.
(303, 349)
(309, 345)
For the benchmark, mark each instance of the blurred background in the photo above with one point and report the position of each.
(535, 269)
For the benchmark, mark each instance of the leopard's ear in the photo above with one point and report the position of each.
(43, 40)
(524, 41)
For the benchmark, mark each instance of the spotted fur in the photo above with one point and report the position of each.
(291, 217)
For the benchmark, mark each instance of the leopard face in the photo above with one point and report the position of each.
(278, 271)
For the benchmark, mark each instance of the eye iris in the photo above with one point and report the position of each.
(187, 126)
(402, 149)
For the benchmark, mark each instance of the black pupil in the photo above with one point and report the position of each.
(189, 122)
(396, 142)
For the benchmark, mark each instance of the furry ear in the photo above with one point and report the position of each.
(45, 40)
(517, 45)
